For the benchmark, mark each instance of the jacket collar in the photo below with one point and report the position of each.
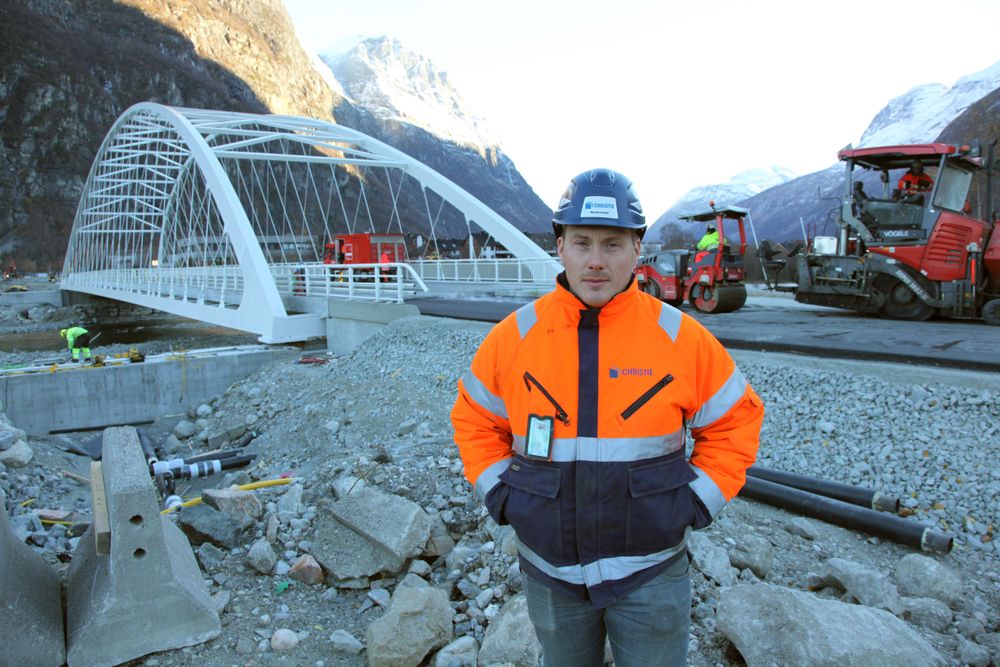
(624, 299)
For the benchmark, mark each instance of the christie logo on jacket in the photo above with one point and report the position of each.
(616, 373)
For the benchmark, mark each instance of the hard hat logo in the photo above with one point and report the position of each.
(599, 207)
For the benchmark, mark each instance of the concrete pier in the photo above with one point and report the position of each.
(71, 398)
(350, 323)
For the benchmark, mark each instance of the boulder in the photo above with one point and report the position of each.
(511, 637)
(869, 587)
(773, 625)
(919, 576)
(419, 620)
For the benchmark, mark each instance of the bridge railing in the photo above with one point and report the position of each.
(506, 270)
(392, 282)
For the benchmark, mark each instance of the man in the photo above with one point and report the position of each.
(571, 423)
(77, 340)
(914, 182)
(710, 241)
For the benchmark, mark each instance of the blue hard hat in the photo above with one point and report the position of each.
(602, 198)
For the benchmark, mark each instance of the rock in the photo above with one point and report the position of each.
(412, 579)
(284, 639)
(380, 596)
(344, 642)
(184, 429)
(368, 532)
(802, 527)
(771, 624)
(234, 502)
(440, 541)
(420, 568)
(204, 410)
(991, 640)
(307, 570)
(463, 652)
(867, 586)
(291, 500)
(753, 552)
(923, 577)
(17, 455)
(418, 621)
(927, 613)
(972, 654)
(511, 637)
(210, 556)
(245, 646)
(711, 560)
(261, 557)
(203, 524)
(9, 436)
(346, 484)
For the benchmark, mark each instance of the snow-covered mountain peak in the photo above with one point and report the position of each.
(919, 115)
(395, 83)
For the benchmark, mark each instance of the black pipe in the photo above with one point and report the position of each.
(846, 515)
(856, 495)
(245, 439)
(212, 456)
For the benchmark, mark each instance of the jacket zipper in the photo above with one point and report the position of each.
(652, 391)
(560, 413)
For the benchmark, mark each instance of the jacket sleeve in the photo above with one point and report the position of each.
(725, 422)
(479, 417)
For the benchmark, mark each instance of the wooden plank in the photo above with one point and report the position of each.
(102, 523)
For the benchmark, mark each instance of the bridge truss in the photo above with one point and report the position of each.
(224, 217)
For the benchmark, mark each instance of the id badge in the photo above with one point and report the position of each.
(539, 444)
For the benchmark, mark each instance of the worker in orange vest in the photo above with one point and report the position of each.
(914, 182)
(384, 259)
(572, 421)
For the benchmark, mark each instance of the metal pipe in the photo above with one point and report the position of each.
(849, 516)
(856, 495)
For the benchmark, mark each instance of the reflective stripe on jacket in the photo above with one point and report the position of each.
(613, 503)
(72, 334)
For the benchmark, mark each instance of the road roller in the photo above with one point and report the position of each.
(709, 276)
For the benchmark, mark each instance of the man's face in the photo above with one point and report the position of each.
(598, 261)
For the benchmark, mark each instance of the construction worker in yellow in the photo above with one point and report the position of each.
(77, 340)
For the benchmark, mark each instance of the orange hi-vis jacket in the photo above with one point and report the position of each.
(611, 504)
(911, 182)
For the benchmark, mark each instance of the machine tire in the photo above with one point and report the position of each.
(991, 312)
(901, 303)
(676, 303)
(718, 298)
(652, 288)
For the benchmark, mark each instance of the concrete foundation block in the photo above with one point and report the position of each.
(148, 594)
(351, 323)
(31, 618)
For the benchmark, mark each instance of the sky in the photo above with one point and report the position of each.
(673, 95)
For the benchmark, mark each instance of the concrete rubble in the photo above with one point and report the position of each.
(378, 553)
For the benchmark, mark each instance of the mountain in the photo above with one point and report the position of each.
(922, 113)
(968, 110)
(742, 186)
(68, 68)
(407, 103)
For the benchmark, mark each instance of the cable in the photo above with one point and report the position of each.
(244, 487)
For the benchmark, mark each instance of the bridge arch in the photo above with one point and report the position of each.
(223, 217)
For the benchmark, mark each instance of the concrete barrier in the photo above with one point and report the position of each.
(31, 618)
(148, 594)
(350, 323)
(77, 399)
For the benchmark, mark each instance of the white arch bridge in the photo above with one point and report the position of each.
(234, 219)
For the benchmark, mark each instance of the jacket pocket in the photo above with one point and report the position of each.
(647, 396)
(660, 504)
(532, 506)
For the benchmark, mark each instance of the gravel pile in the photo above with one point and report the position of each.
(380, 415)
